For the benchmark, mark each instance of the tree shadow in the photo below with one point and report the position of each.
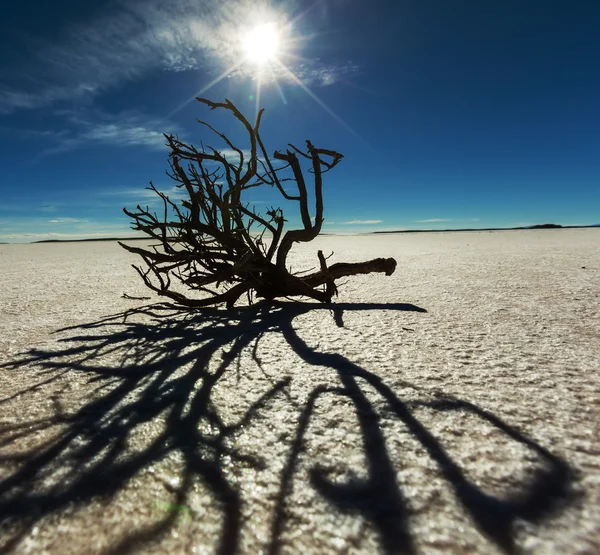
(156, 362)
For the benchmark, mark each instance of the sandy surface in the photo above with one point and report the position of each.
(453, 407)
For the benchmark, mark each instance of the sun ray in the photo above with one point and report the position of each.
(322, 104)
(279, 89)
(258, 90)
(210, 85)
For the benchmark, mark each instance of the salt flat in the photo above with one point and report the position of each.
(453, 407)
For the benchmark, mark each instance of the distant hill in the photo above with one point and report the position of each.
(538, 226)
(93, 240)
(544, 226)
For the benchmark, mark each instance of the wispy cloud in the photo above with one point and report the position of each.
(362, 222)
(130, 39)
(35, 229)
(116, 47)
(313, 73)
(433, 220)
(124, 133)
(48, 207)
(324, 75)
(439, 220)
(67, 221)
(122, 130)
(145, 195)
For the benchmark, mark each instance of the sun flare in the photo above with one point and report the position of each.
(261, 44)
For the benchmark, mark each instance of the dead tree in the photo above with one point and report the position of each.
(212, 248)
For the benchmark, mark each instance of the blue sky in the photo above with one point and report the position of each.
(449, 114)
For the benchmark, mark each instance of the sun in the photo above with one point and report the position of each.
(261, 44)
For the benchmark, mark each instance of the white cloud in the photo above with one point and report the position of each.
(362, 222)
(232, 156)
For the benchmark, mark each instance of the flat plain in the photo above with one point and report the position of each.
(453, 407)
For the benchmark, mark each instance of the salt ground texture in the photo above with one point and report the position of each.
(453, 407)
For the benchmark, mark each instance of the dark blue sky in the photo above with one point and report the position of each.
(450, 114)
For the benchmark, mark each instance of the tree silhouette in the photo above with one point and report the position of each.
(213, 247)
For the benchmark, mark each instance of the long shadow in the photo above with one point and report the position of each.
(379, 500)
(161, 363)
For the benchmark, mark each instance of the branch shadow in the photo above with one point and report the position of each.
(159, 363)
